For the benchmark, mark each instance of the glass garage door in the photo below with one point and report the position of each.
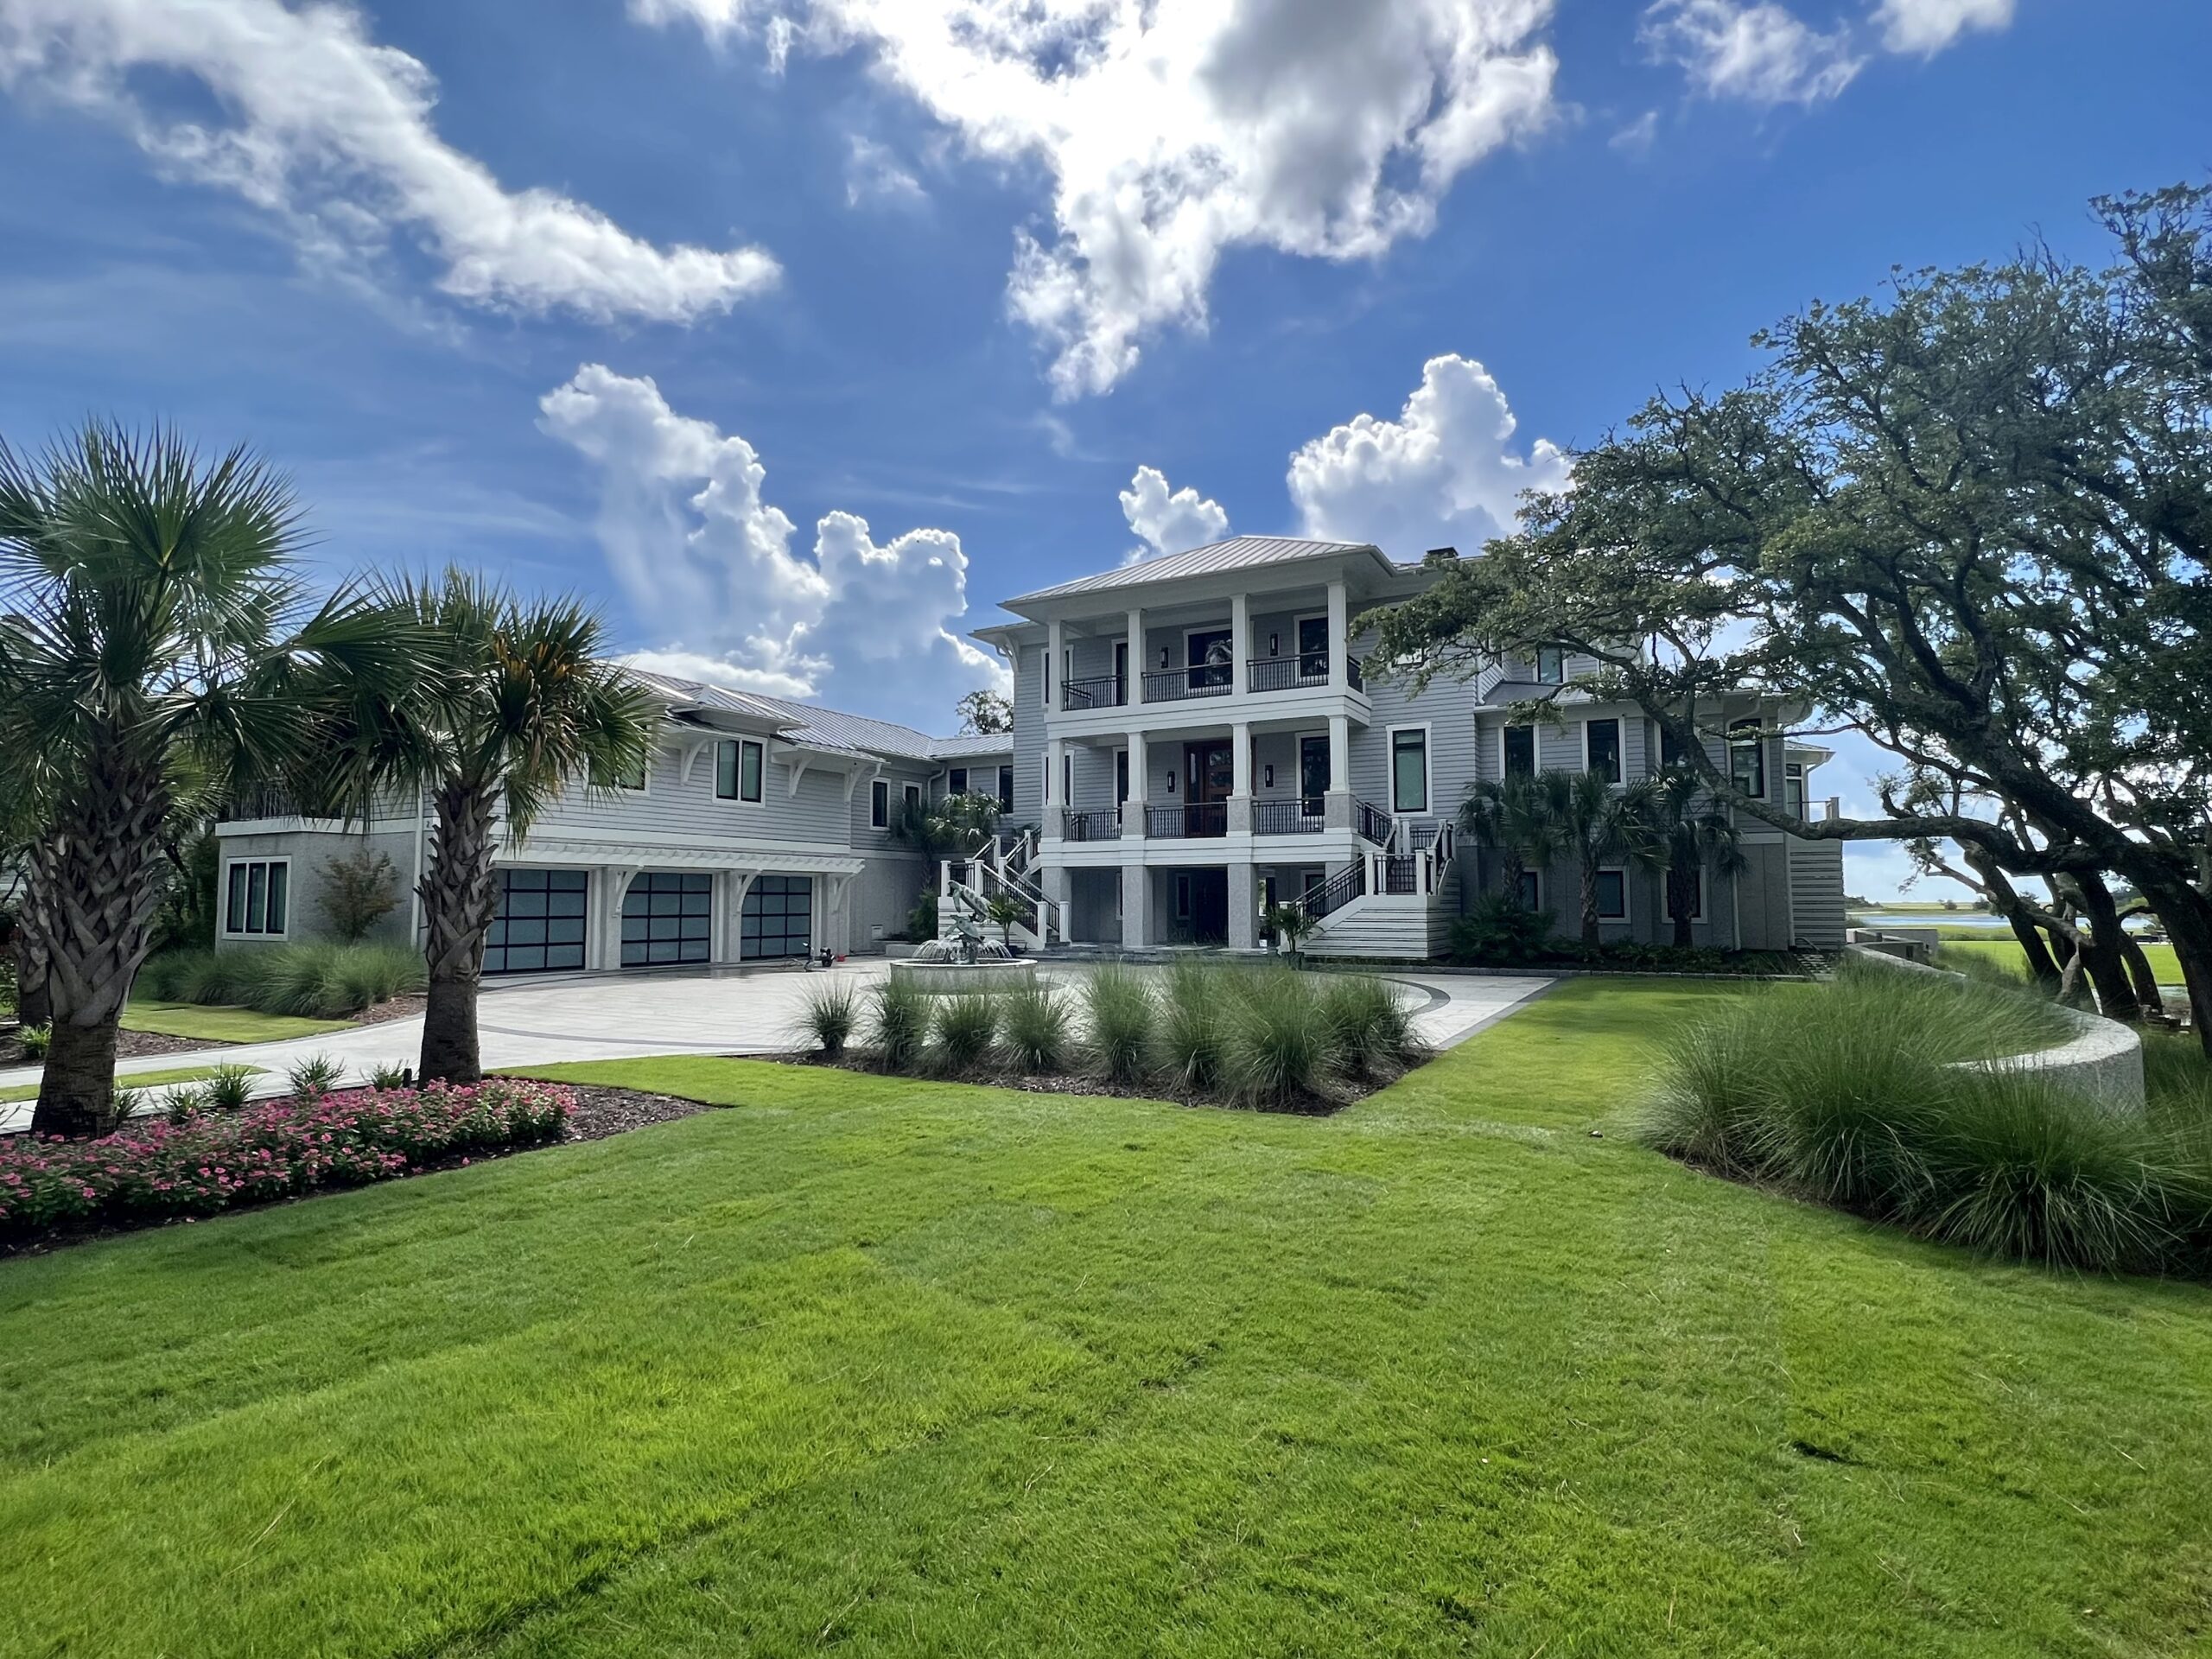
(539, 925)
(667, 916)
(778, 918)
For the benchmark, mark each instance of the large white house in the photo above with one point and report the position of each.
(1193, 741)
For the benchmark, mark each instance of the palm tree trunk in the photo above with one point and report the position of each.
(97, 882)
(1681, 899)
(1590, 904)
(76, 1094)
(459, 899)
(34, 1003)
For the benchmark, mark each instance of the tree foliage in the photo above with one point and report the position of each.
(984, 714)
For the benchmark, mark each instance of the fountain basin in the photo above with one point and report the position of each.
(948, 978)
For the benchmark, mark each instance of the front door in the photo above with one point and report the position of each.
(1208, 775)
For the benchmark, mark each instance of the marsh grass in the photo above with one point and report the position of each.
(831, 1015)
(1122, 1011)
(1196, 1003)
(899, 1024)
(317, 980)
(963, 1032)
(1282, 1051)
(1035, 1029)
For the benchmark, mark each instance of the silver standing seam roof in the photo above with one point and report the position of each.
(1237, 553)
(817, 727)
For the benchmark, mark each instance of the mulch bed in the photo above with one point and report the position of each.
(1347, 1093)
(604, 1112)
(400, 1007)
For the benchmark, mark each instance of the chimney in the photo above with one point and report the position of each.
(1437, 554)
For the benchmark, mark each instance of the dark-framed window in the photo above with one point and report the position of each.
(878, 804)
(1209, 651)
(1671, 753)
(1520, 751)
(956, 781)
(1312, 647)
(1601, 748)
(1006, 789)
(259, 896)
(1551, 667)
(1409, 770)
(1747, 758)
(1067, 777)
(737, 770)
(912, 792)
(1532, 890)
(1121, 776)
(631, 778)
(1612, 895)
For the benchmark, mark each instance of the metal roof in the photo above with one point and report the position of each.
(801, 722)
(973, 743)
(1237, 553)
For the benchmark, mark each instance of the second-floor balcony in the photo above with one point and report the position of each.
(1307, 671)
(1193, 820)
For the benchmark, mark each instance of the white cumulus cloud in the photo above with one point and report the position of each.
(1173, 133)
(1169, 521)
(1926, 27)
(1445, 474)
(703, 557)
(319, 125)
(1763, 53)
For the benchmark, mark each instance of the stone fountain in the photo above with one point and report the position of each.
(963, 957)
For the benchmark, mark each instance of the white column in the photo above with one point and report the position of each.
(1133, 810)
(1134, 691)
(1244, 908)
(1240, 642)
(1136, 907)
(1339, 645)
(1240, 744)
(1339, 753)
(1055, 661)
(1055, 774)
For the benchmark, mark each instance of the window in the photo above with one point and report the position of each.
(1047, 656)
(1601, 748)
(1747, 758)
(737, 771)
(1006, 789)
(1208, 652)
(1551, 667)
(259, 890)
(1793, 788)
(1312, 775)
(1672, 755)
(1520, 751)
(1612, 895)
(1409, 770)
(1067, 777)
(632, 778)
(1532, 890)
(912, 792)
(1121, 776)
(1044, 765)
(878, 804)
(1312, 647)
(956, 782)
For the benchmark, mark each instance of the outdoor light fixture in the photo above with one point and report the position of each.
(1275, 644)
(1270, 776)
(1163, 656)
(1171, 783)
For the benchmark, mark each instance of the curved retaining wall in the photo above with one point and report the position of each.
(2103, 1059)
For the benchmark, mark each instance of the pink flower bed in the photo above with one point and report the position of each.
(217, 1161)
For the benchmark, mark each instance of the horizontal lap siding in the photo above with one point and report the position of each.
(669, 806)
(1446, 707)
(1028, 735)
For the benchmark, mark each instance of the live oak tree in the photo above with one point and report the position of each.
(156, 645)
(1972, 521)
(984, 714)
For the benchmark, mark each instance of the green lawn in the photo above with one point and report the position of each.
(899, 1368)
(2163, 963)
(223, 1025)
(132, 1079)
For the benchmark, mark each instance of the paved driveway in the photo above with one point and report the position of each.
(610, 1016)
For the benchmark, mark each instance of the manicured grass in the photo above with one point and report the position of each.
(223, 1025)
(134, 1080)
(910, 1368)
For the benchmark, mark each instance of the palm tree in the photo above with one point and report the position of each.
(155, 640)
(1512, 818)
(1693, 832)
(1540, 818)
(1292, 924)
(520, 710)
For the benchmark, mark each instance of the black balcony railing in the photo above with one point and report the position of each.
(1353, 677)
(1104, 824)
(1099, 691)
(1193, 818)
(1372, 823)
(267, 802)
(1400, 874)
(1336, 892)
(1300, 817)
(1287, 673)
(1174, 684)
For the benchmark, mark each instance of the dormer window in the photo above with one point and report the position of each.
(1551, 667)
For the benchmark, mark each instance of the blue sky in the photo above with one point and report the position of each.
(796, 331)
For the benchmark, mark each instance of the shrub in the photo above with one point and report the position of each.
(921, 921)
(385, 1078)
(1193, 1005)
(965, 1026)
(148, 1172)
(899, 1024)
(1033, 1023)
(359, 890)
(830, 1015)
(1499, 931)
(317, 981)
(1373, 1034)
(1120, 1006)
(181, 1104)
(228, 1090)
(1279, 1052)
(313, 1076)
(35, 1040)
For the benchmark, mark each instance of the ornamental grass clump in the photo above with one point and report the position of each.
(314, 1077)
(316, 981)
(1373, 1034)
(34, 1040)
(228, 1090)
(832, 1013)
(964, 1031)
(1195, 1003)
(1280, 1051)
(899, 1024)
(1035, 1029)
(1871, 1094)
(1120, 1009)
(155, 1171)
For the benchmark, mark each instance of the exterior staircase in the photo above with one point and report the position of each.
(1396, 900)
(1003, 866)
